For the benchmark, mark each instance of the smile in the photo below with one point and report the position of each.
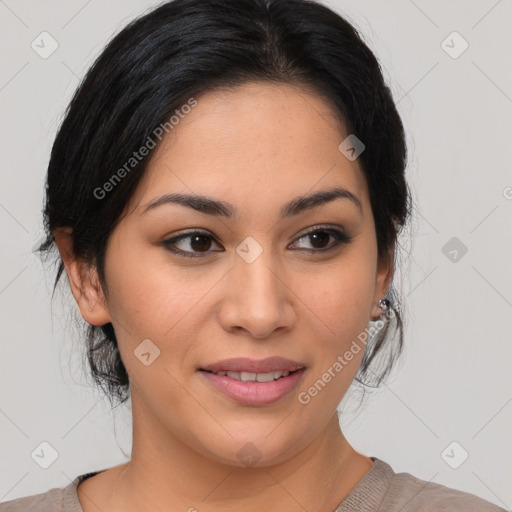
(254, 389)
(254, 377)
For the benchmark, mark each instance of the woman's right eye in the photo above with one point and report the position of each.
(194, 240)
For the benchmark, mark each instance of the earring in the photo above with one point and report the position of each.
(384, 304)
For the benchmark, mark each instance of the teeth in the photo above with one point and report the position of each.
(255, 377)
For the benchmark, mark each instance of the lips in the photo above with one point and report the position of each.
(246, 365)
(254, 393)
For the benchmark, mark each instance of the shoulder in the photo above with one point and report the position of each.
(50, 501)
(55, 500)
(415, 494)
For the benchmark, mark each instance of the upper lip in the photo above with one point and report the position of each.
(243, 364)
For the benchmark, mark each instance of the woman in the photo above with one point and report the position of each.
(225, 194)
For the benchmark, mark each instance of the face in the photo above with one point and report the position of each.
(255, 275)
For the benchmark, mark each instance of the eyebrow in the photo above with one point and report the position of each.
(210, 206)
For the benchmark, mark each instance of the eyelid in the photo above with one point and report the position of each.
(320, 227)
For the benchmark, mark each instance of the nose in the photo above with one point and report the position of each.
(257, 298)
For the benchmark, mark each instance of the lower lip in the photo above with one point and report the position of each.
(255, 393)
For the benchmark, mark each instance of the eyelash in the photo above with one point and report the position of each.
(339, 236)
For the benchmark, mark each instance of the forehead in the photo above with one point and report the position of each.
(257, 139)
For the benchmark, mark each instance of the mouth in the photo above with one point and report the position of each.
(254, 388)
(253, 376)
(254, 382)
(248, 366)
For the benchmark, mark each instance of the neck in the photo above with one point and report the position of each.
(164, 473)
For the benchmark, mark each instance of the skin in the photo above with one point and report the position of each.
(256, 146)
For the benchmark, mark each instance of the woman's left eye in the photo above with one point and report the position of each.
(320, 237)
(198, 244)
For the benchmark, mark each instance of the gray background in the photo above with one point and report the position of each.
(454, 381)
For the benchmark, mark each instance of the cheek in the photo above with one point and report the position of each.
(146, 293)
(341, 295)
(153, 304)
(152, 300)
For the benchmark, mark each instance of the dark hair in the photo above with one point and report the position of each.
(178, 51)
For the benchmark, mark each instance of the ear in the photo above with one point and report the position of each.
(84, 281)
(384, 276)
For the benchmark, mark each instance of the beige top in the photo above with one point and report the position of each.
(380, 490)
